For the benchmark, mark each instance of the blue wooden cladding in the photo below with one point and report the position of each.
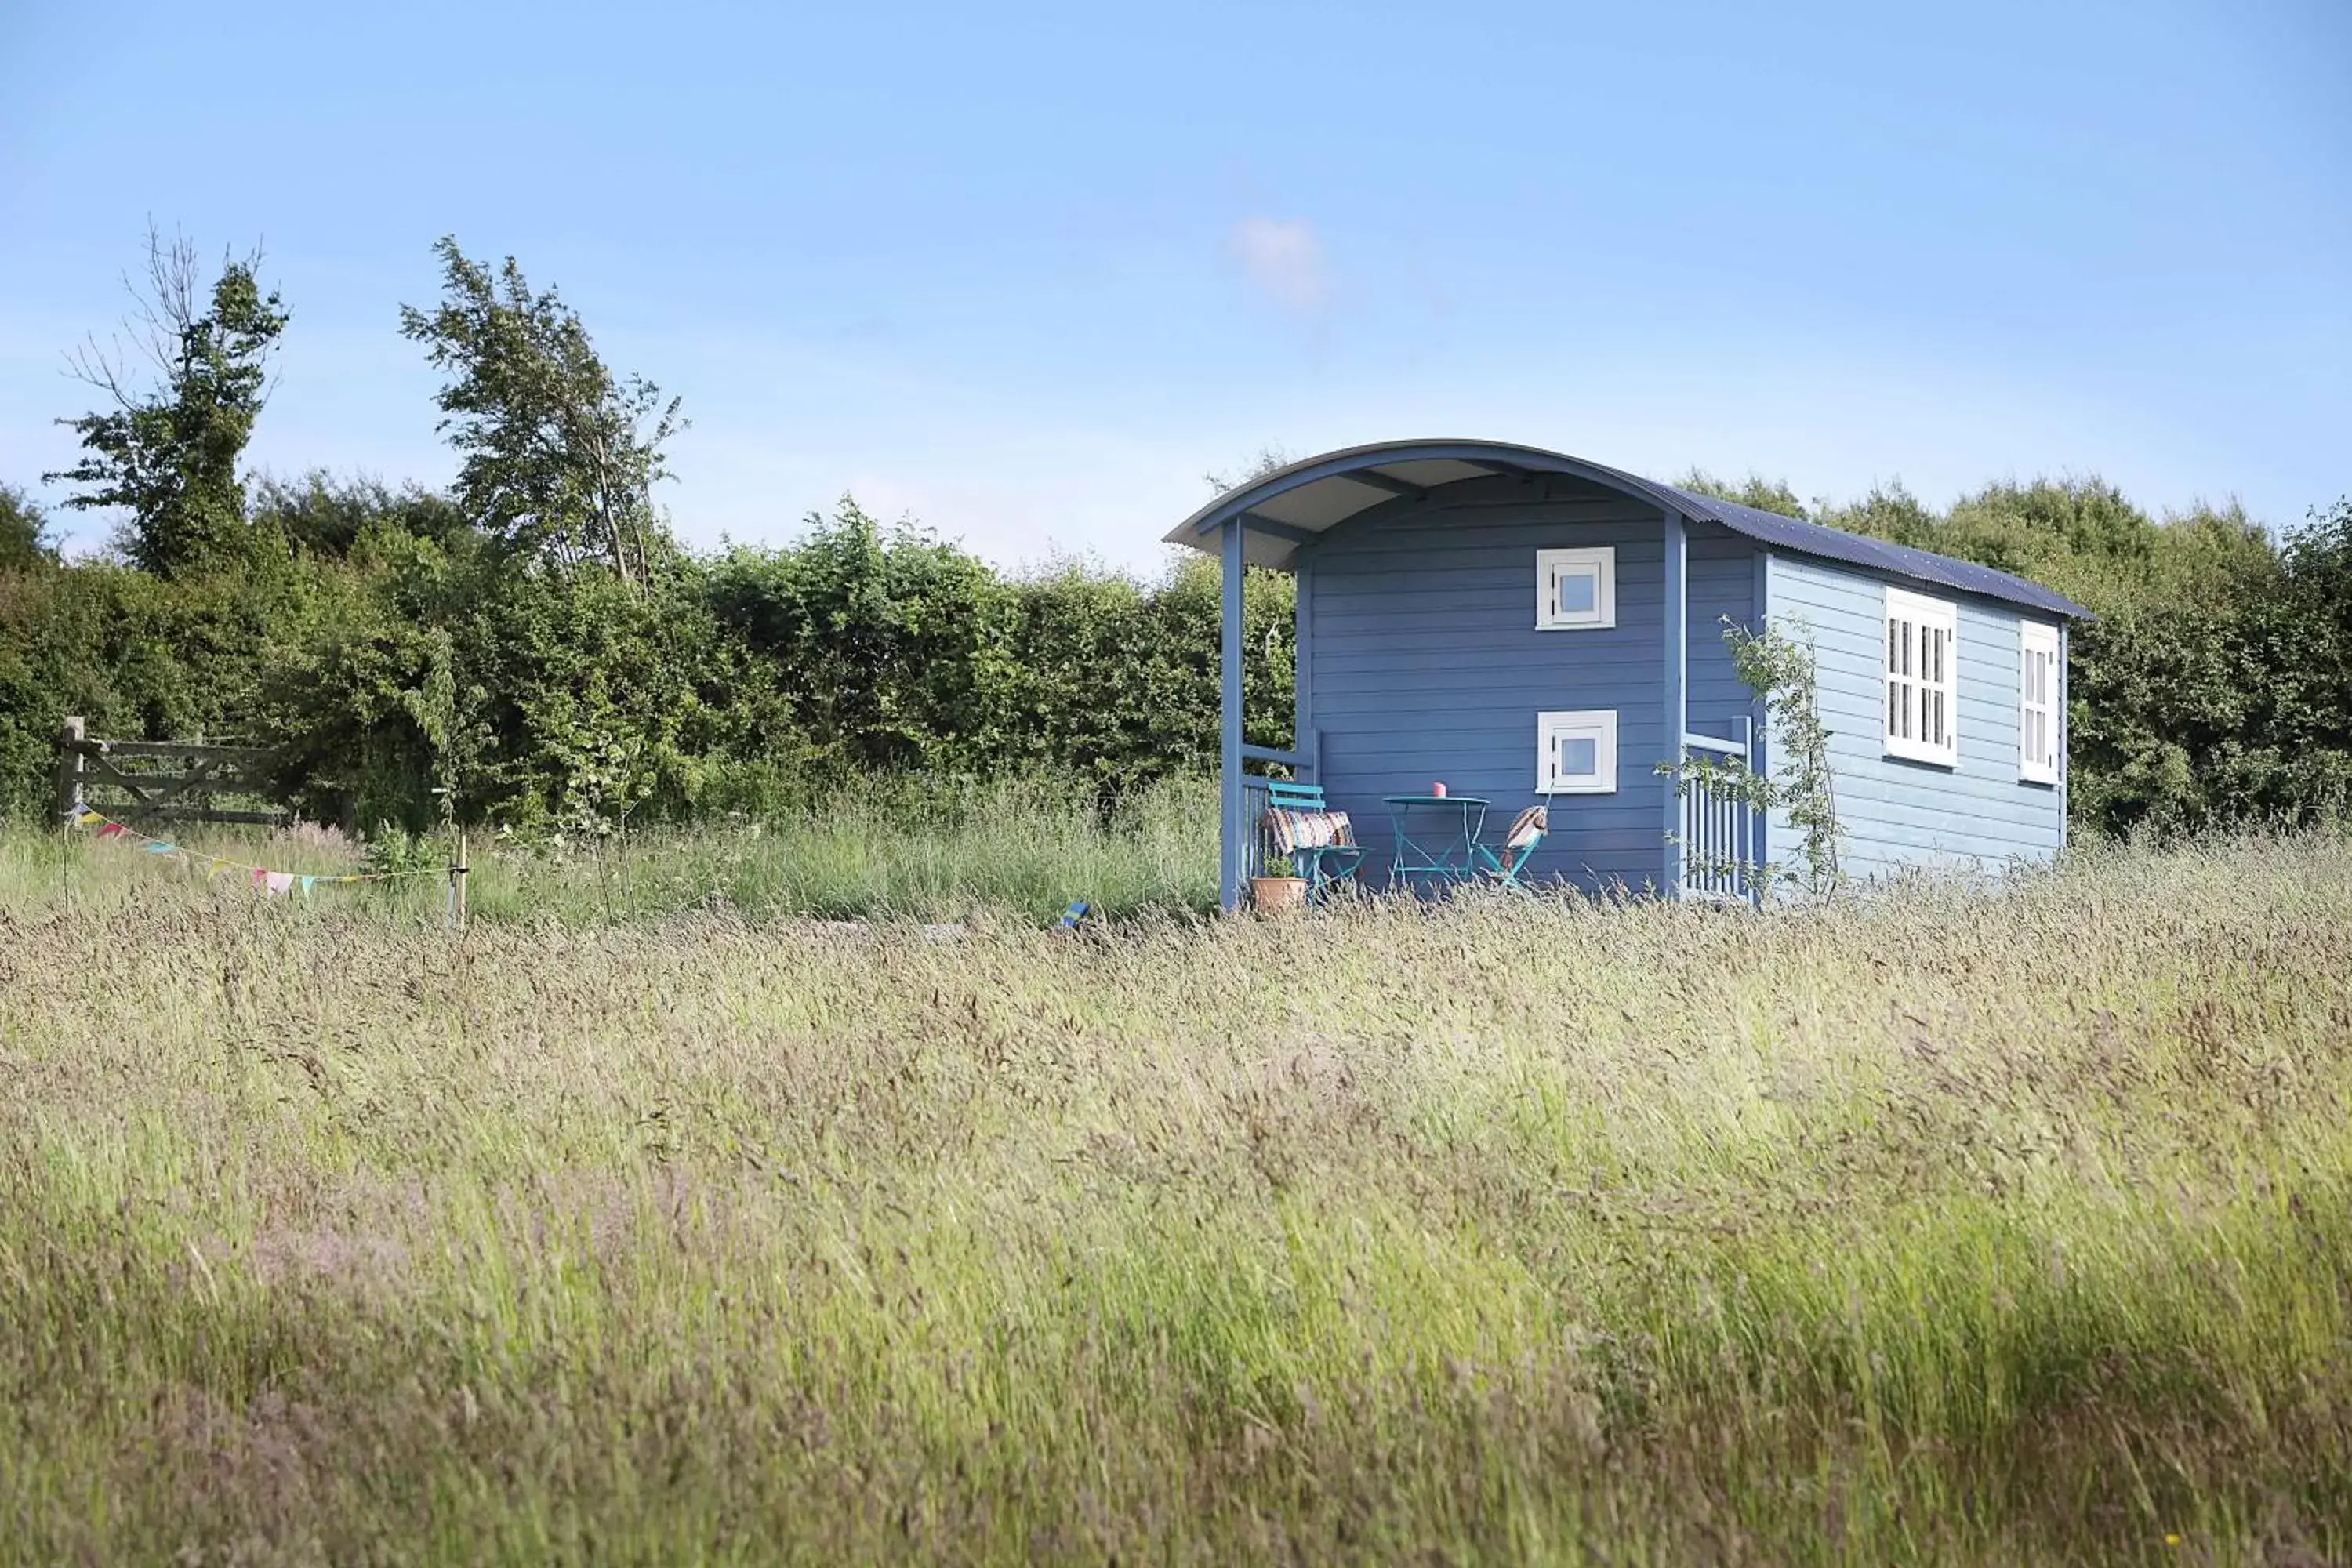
(1896, 813)
(1421, 661)
(1428, 668)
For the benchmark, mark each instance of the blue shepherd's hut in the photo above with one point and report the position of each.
(1525, 627)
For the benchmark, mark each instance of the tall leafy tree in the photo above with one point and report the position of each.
(1270, 459)
(167, 450)
(25, 539)
(325, 517)
(1756, 490)
(560, 454)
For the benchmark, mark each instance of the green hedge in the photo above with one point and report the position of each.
(386, 652)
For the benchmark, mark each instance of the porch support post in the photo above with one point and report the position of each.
(1760, 721)
(71, 771)
(1302, 642)
(1675, 635)
(1235, 833)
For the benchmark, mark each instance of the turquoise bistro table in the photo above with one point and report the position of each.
(1436, 834)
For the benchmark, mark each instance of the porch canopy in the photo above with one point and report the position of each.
(1267, 521)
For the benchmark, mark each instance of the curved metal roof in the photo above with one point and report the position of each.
(1290, 505)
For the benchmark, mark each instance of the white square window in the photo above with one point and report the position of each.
(1576, 753)
(1922, 685)
(2038, 754)
(1575, 588)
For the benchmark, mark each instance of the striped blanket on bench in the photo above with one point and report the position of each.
(1291, 829)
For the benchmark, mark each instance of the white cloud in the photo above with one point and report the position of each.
(1283, 257)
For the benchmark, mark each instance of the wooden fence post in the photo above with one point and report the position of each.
(69, 771)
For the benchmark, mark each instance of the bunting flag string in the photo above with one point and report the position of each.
(267, 882)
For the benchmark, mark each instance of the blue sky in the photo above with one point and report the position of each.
(1027, 270)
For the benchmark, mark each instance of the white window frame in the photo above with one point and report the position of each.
(1919, 679)
(2041, 742)
(1597, 724)
(1600, 564)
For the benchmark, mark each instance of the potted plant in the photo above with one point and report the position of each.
(1279, 887)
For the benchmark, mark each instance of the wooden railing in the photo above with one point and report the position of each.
(161, 781)
(1720, 832)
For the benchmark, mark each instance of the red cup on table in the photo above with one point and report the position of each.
(1437, 790)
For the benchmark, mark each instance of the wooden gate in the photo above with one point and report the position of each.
(161, 781)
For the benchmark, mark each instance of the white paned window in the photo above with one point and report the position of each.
(2037, 703)
(1923, 662)
(1576, 753)
(1575, 588)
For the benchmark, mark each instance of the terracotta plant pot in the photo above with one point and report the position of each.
(1275, 894)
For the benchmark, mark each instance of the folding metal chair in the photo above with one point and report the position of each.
(1506, 860)
(1320, 842)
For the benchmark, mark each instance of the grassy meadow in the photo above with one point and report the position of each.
(882, 849)
(1961, 1225)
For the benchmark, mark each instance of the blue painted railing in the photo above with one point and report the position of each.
(1720, 835)
(1254, 803)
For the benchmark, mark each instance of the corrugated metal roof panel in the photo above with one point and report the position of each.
(1861, 549)
(1436, 462)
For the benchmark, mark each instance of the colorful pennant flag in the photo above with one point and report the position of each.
(269, 883)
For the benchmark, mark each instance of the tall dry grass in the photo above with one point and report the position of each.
(886, 848)
(1969, 1224)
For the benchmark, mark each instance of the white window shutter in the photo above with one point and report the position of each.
(1556, 569)
(2038, 761)
(1555, 731)
(1922, 678)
